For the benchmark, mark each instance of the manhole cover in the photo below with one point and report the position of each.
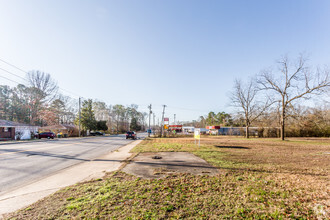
(156, 157)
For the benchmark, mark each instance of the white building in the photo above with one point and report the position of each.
(188, 129)
(203, 130)
(21, 131)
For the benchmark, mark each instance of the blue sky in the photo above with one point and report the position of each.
(184, 53)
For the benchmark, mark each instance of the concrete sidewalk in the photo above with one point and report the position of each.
(24, 196)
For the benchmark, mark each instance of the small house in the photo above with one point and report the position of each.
(10, 130)
(63, 129)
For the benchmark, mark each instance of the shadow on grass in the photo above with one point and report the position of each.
(232, 147)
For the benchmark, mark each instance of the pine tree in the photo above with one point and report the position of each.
(88, 120)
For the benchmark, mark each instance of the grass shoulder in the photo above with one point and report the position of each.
(229, 196)
(259, 179)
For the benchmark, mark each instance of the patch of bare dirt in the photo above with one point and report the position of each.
(157, 165)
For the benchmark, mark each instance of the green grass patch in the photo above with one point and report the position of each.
(263, 154)
(260, 179)
(229, 196)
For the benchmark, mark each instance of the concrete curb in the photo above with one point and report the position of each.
(48, 140)
(97, 168)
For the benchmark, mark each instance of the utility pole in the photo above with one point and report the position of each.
(162, 123)
(79, 116)
(149, 120)
(174, 118)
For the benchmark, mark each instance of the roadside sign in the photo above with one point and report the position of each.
(197, 134)
(166, 119)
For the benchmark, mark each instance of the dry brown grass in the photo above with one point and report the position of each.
(308, 156)
(260, 179)
(296, 162)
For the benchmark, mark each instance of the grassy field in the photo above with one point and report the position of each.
(293, 156)
(259, 179)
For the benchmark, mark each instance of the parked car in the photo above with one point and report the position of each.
(96, 133)
(49, 135)
(131, 134)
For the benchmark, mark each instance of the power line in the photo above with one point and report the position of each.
(25, 81)
(10, 79)
(28, 73)
(187, 109)
(158, 106)
(69, 92)
(13, 65)
(12, 73)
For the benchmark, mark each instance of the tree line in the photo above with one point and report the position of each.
(273, 99)
(96, 115)
(39, 102)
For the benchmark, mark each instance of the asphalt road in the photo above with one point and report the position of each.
(23, 163)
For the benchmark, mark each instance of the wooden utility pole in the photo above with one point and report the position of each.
(149, 130)
(162, 122)
(79, 115)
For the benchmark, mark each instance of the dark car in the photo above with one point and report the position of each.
(96, 133)
(49, 135)
(131, 134)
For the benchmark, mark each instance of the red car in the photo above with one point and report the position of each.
(49, 135)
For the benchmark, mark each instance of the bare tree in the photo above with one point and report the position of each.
(202, 122)
(244, 97)
(292, 82)
(101, 111)
(119, 112)
(44, 83)
(43, 89)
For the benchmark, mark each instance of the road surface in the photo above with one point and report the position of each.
(23, 163)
